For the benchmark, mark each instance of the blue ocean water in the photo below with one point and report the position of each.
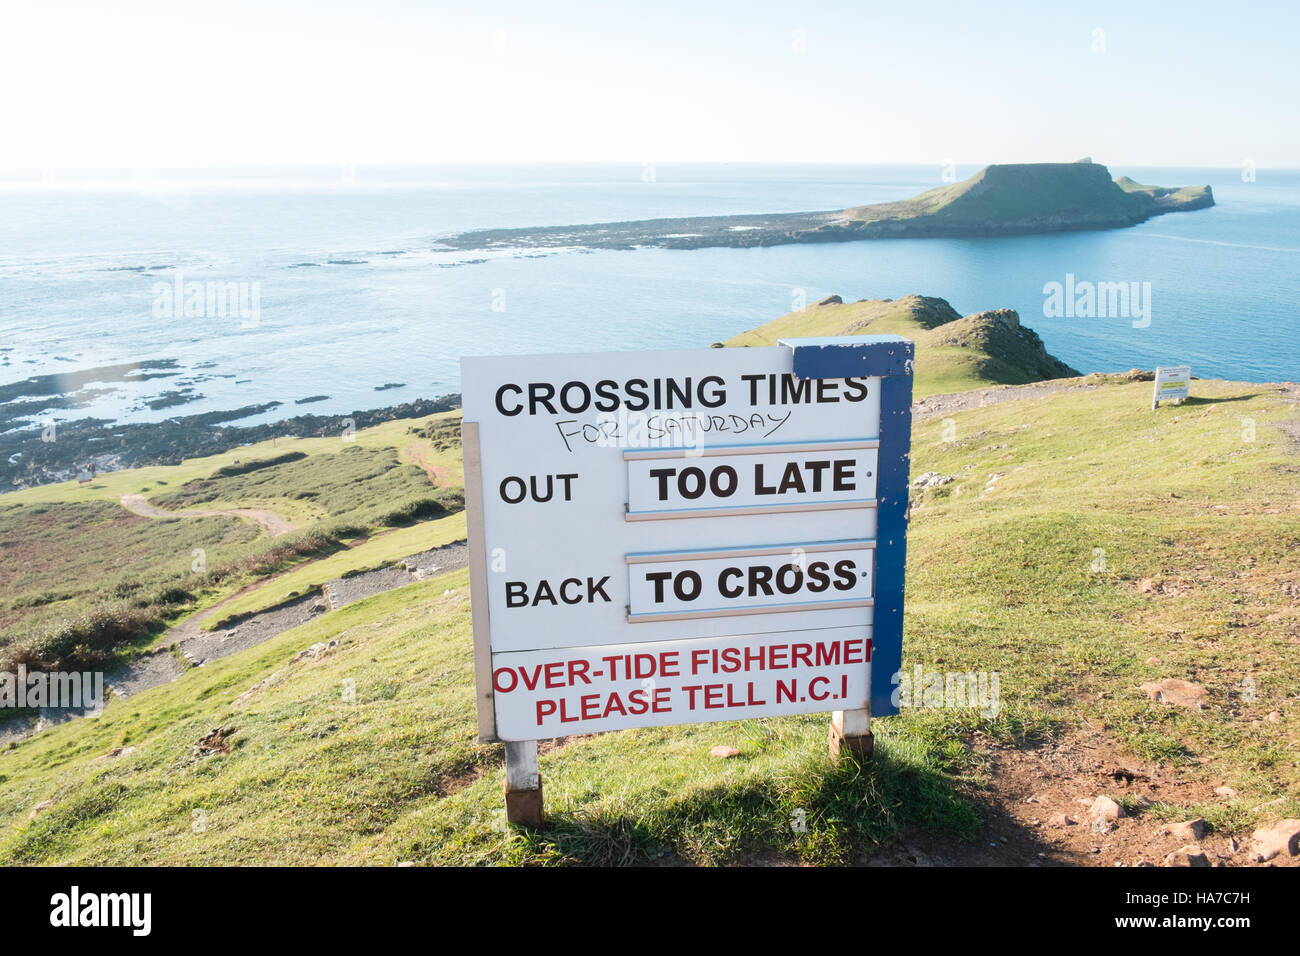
(353, 292)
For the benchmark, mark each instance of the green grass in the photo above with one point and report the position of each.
(84, 580)
(397, 774)
(1002, 577)
(1183, 195)
(1175, 497)
(53, 557)
(368, 487)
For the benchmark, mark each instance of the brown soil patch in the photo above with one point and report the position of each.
(437, 474)
(1030, 790)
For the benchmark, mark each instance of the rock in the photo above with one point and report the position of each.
(1188, 832)
(406, 863)
(1226, 792)
(215, 741)
(1272, 803)
(1009, 319)
(931, 479)
(1171, 690)
(316, 650)
(1062, 820)
(724, 752)
(1281, 839)
(1104, 808)
(1273, 716)
(831, 300)
(1187, 856)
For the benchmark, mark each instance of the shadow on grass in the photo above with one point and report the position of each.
(819, 811)
(1201, 400)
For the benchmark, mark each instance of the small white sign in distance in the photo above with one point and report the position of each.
(1172, 383)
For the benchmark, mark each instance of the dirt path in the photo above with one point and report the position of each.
(437, 474)
(269, 520)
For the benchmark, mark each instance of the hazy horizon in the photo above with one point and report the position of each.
(147, 85)
(396, 175)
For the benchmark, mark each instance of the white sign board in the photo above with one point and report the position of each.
(1171, 383)
(668, 537)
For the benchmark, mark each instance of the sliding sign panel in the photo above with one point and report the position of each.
(1172, 384)
(675, 537)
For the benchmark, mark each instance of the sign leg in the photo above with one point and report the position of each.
(851, 733)
(523, 784)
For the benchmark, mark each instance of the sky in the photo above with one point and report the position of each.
(132, 84)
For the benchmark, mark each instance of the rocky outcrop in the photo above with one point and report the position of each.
(1015, 352)
(1000, 200)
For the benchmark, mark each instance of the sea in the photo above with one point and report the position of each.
(338, 297)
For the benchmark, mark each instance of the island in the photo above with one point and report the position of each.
(1001, 200)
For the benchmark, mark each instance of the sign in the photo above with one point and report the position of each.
(1171, 383)
(684, 536)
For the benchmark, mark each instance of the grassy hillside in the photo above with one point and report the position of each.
(1162, 197)
(952, 353)
(52, 556)
(83, 580)
(1032, 196)
(365, 752)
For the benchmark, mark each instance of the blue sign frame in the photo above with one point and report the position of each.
(890, 357)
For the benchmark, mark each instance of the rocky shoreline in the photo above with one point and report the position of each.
(88, 446)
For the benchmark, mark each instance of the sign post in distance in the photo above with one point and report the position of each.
(1173, 383)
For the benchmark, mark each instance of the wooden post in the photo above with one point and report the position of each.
(851, 733)
(484, 704)
(523, 784)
